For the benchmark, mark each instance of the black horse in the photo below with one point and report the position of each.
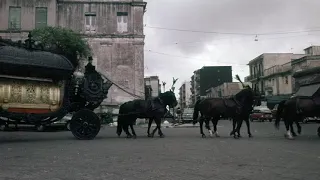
(279, 116)
(153, 109)
(234, 107)
(295, 109)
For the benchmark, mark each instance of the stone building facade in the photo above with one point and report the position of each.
(185, 95)
(155, 87)
(226, 90)
(114, 30)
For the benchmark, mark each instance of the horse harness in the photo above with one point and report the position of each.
(238, 105)
(151, 104)
(315, 100)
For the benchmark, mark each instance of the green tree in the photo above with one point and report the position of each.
(63, 41)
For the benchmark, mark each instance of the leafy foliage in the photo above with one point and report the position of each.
(63, 41)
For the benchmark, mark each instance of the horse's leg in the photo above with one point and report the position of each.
(158, 122)
(287, 124)
(292, 130)
(133, 131)
(298, 126)
(215, 122)
(126, 130)
(207, 124)
(248, 127)
(149, 126)
(237, 131)
(201, 127)
(239, 125)
(233, 126)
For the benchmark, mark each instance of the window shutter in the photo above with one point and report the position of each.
(41, 17)
(15, 18)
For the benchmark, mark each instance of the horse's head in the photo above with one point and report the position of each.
(249, 97)
(169, 98)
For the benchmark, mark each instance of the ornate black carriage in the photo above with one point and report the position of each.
(40, 87)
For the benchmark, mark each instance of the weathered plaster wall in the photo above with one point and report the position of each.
(27, 16)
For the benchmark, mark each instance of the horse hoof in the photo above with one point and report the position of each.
(235, 137)
(250, 136)
(231, 133)
(288, 137)
(162, 136)
(134, 136)
(150, 135)
(239, 136)
(129, 136)
(294, 135)
(203, 136)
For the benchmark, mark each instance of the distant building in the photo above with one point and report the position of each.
(152, 85)
(226, 90)
(266, 64)
(306, 71)
(185, 95)
(209, 76)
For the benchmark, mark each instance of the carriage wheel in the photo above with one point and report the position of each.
(85, 124)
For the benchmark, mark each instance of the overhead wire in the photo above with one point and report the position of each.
(233, 33)
(161, 53)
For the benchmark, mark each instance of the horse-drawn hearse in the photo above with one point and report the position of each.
(40, 87)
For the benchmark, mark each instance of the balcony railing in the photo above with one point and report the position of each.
(278, 69)
(251, 77)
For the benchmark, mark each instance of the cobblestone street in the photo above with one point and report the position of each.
(182, 154)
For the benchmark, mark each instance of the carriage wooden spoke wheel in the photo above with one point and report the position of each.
(85, 124)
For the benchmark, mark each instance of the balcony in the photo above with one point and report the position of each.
(251, 77)
(278, 69)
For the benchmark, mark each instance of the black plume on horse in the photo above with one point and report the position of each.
(154, 109)
(233, 107)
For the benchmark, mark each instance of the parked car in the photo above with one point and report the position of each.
(311, 119)
(261, 115)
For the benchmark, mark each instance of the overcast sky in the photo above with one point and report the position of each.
(170, 53)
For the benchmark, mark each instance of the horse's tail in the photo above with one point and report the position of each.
(278, 113)
(196, 112)
(120, 121)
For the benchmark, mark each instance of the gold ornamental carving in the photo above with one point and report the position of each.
(30, 94)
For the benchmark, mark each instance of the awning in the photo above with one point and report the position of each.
(309, 90)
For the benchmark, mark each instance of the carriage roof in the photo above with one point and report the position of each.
(22, 61)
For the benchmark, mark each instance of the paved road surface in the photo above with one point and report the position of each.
(183, 154)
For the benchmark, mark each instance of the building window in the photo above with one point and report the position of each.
(41, 17)
(14, 18)
(90, 18)
(122, 22)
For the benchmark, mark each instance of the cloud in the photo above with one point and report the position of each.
(179, 53)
